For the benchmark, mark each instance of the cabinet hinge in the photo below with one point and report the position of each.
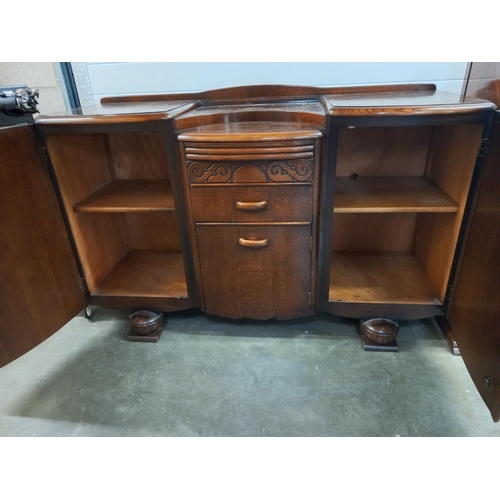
(484, 149)
(83, 285)
(310, 243)
(450, 292)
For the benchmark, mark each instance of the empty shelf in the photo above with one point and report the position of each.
(379, 277)
(130, 196)
(390, 194)
(146, 273)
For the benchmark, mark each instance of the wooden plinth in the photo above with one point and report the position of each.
(368, 345)
(152, 337)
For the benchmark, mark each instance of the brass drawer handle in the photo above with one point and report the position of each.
(251, 205)
(250, 243)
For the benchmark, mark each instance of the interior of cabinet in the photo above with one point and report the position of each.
(118, 199)
(400, 196)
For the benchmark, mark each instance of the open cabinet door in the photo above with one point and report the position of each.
(39, 280)
(474, 313)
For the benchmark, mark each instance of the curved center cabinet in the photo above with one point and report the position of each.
(271, 201)
(252, 191)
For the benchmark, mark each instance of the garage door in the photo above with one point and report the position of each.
(96, 80)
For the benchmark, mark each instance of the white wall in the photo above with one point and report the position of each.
(96, 80)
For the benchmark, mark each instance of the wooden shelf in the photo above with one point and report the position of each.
(379, 277)
(130, 196)
(390, 194)
(146, 273)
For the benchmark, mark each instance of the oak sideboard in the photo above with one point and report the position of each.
(253, 202)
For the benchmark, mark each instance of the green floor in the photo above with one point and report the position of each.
(213, 377)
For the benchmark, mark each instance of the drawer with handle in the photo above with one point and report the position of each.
(255, 271)
(252, 204)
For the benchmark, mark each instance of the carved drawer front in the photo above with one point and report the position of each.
(252, 204)
(249, 162)
(255, 271)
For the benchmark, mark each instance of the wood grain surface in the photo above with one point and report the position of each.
(258, 283)
(251, 131)
(82, 167)
(474, 312)
(379, 232)
(283, 203)
(379, 277)
(390, 194)
(152, 230)
(387, 151)
(39, 279)
(246, 92)
(138, 155)
(239, 172)
(129, 196)
(146, 273)
(454, 155)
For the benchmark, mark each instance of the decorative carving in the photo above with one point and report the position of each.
(291, 170)
(200, 172)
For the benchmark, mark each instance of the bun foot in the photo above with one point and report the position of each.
(379, 334)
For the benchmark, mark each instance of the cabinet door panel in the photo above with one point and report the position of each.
(255, 271)
(475, 311)
(39, 280)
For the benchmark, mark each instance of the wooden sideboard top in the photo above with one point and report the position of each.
(405, 103)
(271, 103)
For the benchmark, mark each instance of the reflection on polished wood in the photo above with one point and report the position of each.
(248, 131)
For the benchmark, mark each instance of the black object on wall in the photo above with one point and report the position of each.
(17, 105)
